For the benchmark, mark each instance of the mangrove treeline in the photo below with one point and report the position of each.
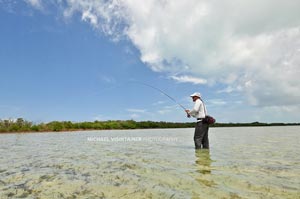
(22, 125)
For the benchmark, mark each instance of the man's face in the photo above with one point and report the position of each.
(194, 98)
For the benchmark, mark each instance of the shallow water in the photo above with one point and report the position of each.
(253, 162)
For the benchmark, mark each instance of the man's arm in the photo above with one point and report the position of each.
(195, 110)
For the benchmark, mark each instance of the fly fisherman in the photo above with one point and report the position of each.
(201, 129)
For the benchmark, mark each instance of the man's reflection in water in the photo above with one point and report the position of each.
(203, 163)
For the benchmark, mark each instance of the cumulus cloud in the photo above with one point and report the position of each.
(252, 47)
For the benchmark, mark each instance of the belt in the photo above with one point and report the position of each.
(199, 119)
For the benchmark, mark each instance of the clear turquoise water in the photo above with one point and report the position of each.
(253, 162)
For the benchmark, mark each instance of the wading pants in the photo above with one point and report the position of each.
(201, 135)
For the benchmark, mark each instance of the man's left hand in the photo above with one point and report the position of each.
(188, 113)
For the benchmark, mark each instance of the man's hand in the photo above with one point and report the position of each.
(188, 113)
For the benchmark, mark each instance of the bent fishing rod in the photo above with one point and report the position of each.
(171, 98)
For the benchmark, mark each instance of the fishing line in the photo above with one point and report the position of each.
(171, 98)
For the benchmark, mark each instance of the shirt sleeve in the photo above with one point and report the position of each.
(195, 111)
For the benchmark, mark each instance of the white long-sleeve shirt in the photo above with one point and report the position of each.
(199, 109)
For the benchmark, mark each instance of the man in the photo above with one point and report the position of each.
(201, 129)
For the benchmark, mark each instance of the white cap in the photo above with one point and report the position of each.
(195, 94)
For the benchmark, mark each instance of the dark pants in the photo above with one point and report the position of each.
(201, 136)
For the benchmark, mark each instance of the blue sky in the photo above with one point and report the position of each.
(79, 61)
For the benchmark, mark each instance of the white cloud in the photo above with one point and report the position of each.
(137, 110)
(99, 118)
(104, 15)
(158, 103)
(217, 102)
(134, 116)
(189, 79)
(88, 16)
(167, 109)
(164, 111)
(228, 89)
(35, 3)
(107, 79)
(247, 46)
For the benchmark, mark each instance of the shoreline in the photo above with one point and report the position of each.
(21, 125)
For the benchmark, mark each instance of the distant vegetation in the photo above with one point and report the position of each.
(21, 125)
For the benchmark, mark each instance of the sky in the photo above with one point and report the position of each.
(86, 60)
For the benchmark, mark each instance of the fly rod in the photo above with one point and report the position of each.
(171, 98)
